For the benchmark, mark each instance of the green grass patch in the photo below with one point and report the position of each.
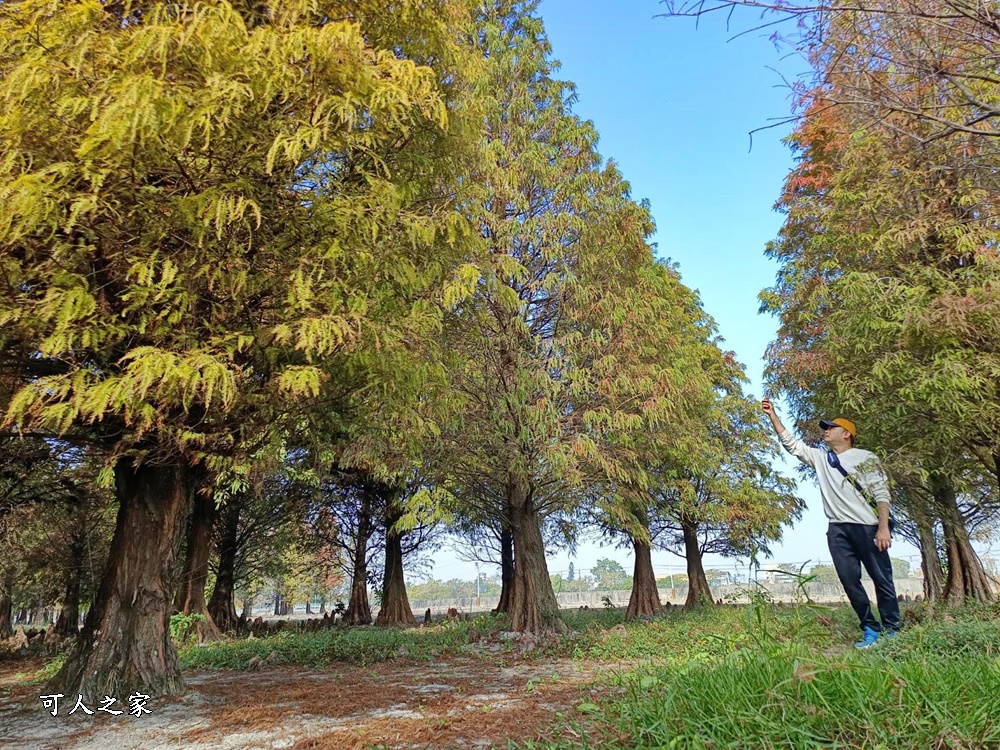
(703, 635)
(936, 685)
(358, 645)
(753, 700)
(946, 640)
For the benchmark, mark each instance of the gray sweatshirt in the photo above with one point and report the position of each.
(842, 502)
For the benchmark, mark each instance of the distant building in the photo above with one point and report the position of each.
(773, 574)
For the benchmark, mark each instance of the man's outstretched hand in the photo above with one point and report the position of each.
(768, 408)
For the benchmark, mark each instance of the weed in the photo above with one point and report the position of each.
(182, 626)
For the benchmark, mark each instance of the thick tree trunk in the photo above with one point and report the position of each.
(533, 606)
(645, 599)
(69, 613)
(699, 592)
(190, 596)
(359, 611)
(506, 568)
(395, 609)
(966, 579)
(125, 645)
(222, 605)
(930, 561)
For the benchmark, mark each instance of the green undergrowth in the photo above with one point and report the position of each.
(595, 635)
(359, 645)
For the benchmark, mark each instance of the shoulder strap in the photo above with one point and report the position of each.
(857, 485)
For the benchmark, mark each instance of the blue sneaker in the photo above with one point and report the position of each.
(889, 634)
(868, 640)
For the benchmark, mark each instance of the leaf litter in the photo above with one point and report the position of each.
(460, 701)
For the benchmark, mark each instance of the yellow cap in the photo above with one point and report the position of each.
(840, 422)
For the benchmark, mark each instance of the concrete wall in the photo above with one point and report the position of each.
(782, 592)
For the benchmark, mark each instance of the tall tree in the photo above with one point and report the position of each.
(885, 306)
(200, 201)
(551, 353)
(889, 268)
(722, 496)
(258, 520)
(346, 514)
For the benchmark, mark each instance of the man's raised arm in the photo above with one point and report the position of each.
(796, 447)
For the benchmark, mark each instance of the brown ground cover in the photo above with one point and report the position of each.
(453, 702)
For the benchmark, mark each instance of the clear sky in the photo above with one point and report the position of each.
(674, 105)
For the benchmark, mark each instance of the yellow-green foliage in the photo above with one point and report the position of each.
(199, 202)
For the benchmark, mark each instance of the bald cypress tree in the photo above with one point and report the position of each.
(199, 204)
(558, 356)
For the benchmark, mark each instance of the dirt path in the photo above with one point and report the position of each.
(453, 702)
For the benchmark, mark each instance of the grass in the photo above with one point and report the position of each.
(359, 646)
(782, 683)
(706, 635)
(755, 700)
(598, 635)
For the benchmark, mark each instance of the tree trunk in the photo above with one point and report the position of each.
(69, 613)
(7, 606)
(930, 561)
(533, 606)
(699, 592)
(966, 578)
(190, 596)
(996, 468)
(222, 605)
(359, 611)
(506, 567)
(125, 645)
(395, 609)
(645, 599)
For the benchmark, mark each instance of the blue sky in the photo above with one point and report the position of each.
(674, 105)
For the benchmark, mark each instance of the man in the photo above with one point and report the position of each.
(857, 536)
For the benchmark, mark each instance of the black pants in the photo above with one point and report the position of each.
(853, 545)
